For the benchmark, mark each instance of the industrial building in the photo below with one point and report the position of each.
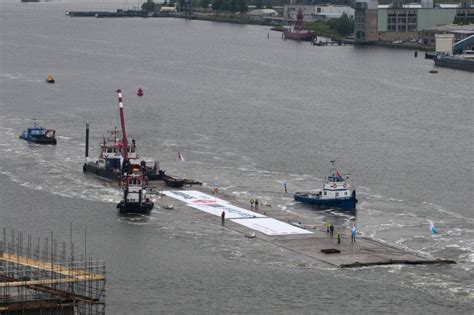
(428, 36)
(263, 12)
(313, 13)
(404, 22)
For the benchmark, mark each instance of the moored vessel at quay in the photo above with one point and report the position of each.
(463, 61)
(297, 31)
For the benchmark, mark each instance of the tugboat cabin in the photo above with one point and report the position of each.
(111, 157)
(335, 187)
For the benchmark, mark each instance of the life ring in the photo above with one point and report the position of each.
(334, 185)
(345, 185)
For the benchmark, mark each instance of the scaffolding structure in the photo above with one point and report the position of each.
(37, 278)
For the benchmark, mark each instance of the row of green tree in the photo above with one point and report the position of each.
(333, 28)
(343, 25)
(226, 5)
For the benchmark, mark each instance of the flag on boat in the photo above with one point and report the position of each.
(433, 228)
(284, 187)
(339, 175)
(180, 157)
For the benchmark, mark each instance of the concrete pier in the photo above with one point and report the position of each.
(363, 252)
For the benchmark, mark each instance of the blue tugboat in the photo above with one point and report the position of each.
(39, 135)
(336, 193)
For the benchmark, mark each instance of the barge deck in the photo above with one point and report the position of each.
(361, 253)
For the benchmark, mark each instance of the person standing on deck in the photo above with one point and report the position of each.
(223, 218)
(353, 233)
(338, 238)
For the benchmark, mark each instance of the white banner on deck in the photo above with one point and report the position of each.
(194, 197)
(271, 226)
(231, 211)
(250, 219)
(209, 204)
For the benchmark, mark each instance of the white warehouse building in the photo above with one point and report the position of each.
(317, 12)
(263, 12)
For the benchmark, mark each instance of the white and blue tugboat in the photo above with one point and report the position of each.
(336, 193)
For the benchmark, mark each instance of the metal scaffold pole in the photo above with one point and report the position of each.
(41, 279)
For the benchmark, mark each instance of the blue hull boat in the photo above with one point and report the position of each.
(336, 193)
(315, 200)
(39, 135)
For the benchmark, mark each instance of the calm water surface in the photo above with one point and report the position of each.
(247, 113)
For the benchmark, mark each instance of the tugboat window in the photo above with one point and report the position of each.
(337, 194)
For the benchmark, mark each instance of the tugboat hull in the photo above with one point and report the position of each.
(315, 200)
(454, 62)
(40, 140)
(301, 35)
(91, 168)
(135, 207)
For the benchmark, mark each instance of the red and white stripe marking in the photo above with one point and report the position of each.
(119, 91)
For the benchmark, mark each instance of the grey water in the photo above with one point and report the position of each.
(247, 112)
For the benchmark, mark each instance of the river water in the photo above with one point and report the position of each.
(247, 112)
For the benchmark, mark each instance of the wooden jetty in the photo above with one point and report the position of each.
(361, 253)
